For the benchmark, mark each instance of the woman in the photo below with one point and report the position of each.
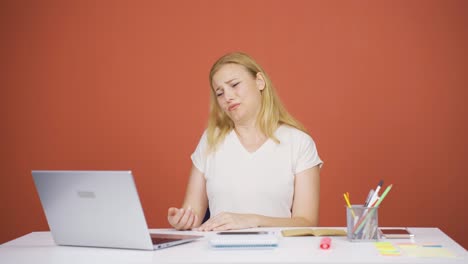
(255, 165)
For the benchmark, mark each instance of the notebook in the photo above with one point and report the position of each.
(98, 209)
(244, 239)
(396, 233)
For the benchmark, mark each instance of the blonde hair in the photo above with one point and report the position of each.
(272, 112)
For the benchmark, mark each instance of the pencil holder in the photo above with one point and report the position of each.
(362, 223)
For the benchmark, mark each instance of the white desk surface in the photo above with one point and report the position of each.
(38, 247)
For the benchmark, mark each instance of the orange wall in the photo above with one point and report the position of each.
(381, 86)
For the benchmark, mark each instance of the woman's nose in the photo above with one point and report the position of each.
(228, 94)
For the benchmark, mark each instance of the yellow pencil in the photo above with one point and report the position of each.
(348, 203)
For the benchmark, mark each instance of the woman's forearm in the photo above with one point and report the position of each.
(266, 221)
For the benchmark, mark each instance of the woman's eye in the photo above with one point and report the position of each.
(219, 94)
(234, 85)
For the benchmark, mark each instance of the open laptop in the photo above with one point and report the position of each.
(98, 209)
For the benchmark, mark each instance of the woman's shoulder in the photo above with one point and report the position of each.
(286, 131)
(298, 141)
(205, 138)
(204, 135)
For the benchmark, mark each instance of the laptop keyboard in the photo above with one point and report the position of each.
(160, 240)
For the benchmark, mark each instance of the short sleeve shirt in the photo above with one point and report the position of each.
(260, 182)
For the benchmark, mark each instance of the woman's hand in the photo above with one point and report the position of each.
(228, 221)
(182, 219)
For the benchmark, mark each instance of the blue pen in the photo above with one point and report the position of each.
(379, 185)
(369, 196)
(375, 195)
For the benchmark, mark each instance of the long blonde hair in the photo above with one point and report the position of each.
(272, 112)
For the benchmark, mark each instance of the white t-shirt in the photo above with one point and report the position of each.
(261, 182)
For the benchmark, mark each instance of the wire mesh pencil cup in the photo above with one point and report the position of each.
(362, 223)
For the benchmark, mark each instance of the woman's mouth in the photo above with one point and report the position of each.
(233, 107)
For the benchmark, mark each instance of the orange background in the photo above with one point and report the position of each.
(108, 85)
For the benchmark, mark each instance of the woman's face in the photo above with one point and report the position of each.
(238, 92)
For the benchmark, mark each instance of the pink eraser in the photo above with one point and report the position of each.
(325, 243)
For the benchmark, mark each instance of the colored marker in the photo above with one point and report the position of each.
(325, 243)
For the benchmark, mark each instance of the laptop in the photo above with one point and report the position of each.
(98, 209)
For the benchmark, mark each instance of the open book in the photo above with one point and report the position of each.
(313, 232)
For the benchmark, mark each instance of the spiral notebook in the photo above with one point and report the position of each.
(249, 239)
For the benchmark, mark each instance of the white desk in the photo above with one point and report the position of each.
(38, 247)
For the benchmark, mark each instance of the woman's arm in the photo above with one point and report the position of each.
(305, 208)
(195, 203)
(307, 196)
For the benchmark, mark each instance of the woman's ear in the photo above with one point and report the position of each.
(260, 81)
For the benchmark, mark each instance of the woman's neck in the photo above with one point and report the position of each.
(250, 136)
(247, 130)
